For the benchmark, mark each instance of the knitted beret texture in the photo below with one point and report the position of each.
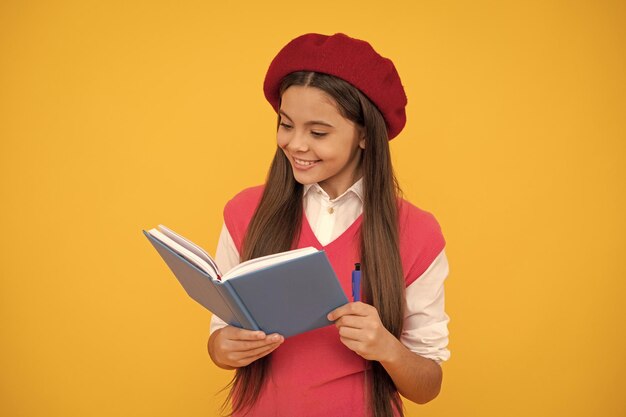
(352, 60)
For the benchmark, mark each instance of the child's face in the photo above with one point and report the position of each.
(321, 145)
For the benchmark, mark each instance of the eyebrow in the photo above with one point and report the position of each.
(310, 122)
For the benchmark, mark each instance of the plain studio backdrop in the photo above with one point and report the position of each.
(117, 116)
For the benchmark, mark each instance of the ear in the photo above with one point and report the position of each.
(362, 141)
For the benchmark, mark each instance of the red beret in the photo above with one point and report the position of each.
(352, 60)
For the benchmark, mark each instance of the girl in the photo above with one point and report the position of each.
(331, 185)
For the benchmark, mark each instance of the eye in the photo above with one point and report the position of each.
(285, 125)
(318, 134)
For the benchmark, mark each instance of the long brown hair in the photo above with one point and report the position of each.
(276, 223)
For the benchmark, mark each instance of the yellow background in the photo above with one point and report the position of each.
(119, 115)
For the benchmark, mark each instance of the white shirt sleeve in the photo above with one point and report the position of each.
(425, 330)
(226, 257)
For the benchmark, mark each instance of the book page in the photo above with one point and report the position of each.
(265, 261)
(190, 246)
(186, 253)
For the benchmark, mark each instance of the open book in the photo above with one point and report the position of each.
(286, 293)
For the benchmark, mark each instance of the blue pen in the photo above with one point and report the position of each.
(356, 282)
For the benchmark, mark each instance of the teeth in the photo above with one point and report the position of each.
(305, 163)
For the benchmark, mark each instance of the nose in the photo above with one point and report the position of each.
(298, 142)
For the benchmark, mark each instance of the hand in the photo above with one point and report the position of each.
(361, 330)
(231, 347)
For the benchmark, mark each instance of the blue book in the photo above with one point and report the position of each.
(287, 293)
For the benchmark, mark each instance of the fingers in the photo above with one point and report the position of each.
(258, 353)
(358, 309)
(351, 321)
(237, 347)
(350, 333)
(361, 330)
(238, 358)
(248, 339)
(241, 340)
(235, 333)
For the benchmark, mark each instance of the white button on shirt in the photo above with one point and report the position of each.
(425, 329)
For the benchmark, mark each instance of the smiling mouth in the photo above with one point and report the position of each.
(305, 162)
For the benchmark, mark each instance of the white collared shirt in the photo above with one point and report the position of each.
(330, 218)
(425, 329)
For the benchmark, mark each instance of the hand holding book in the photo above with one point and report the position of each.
(231, 347)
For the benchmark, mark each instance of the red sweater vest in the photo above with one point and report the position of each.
(314, 374)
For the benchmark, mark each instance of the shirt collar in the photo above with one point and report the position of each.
(356, 188)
